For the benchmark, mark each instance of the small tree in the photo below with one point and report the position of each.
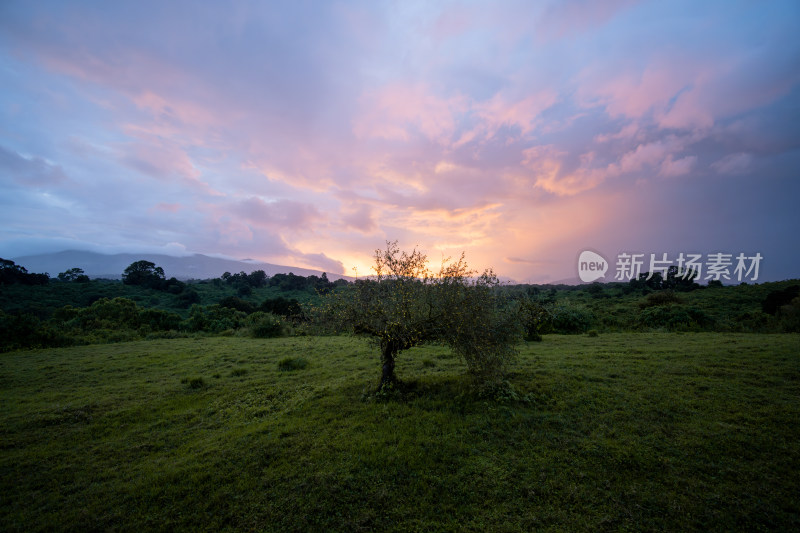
(404, 305)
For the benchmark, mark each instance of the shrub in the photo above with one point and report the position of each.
(675, 318)
(777, 299)
(665, 297)
(233, 302)
(536, 318)
(119, 313)
(214, 319)
(187, 298)
(281, 306)
(789, 316)
(289, 364)
(159, 320)
(265, 325)
(194, 383)
(27, 331)
(570, 320)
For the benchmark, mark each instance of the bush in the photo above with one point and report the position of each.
(789, 317)
(777, 299)
(233, 302)
(289, 364)
(194, 383)
(571, 320)
(119, 313)
(187, 298)
(265, 325)
(665, 297)
(281, 306)
(214, 319)
(27, 331)
(159, 320)
(536, 318)
(675, 318)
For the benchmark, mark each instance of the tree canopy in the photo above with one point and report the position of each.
(11, 273)
(144, 273)
(73, 274)
(405, 304)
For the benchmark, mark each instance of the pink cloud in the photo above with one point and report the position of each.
(629, 131)
(677, 167)
(177, 111)
(524, 113)
(288, 214)
(733, 163)
(546, 162)
(159, 158)
(652, 154)
(396, 111)
(569, 17)
(632, 94)
(167, 207)
(360, 218)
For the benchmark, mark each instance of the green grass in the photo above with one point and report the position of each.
(616, 432)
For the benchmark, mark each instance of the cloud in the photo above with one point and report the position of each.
(319, 261)
(170, 208)
(360, 218)
(677, 167)
(294, 216)
(733, 163)
(308, 133)
(523, 113)
(399, 112)
(159, 159)
(547, 165)
(563, 19)
(30, 171)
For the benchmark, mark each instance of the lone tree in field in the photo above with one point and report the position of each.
(404, 304)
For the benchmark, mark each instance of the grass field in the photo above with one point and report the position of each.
(637, 432)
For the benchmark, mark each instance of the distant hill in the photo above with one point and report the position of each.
(195, 266)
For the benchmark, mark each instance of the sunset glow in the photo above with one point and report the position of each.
(308, 134)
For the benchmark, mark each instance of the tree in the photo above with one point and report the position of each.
(257, 278)
(11, 273)
(73, 274)
(145, 274)
(404, 305)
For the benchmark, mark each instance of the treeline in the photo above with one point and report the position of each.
(75, 310)
(11, 273)
(654, 302)
(121, 319)
(284, 282)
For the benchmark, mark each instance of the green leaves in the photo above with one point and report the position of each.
(406, 305)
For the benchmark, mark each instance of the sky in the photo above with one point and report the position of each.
(310, 133)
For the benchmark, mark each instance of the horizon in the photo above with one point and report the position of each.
(308, 135)
(254, 265)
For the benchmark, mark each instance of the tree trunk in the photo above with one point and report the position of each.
(388, 353)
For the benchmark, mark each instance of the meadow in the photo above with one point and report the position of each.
(621, 431)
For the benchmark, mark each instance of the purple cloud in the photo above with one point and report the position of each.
(312, 133)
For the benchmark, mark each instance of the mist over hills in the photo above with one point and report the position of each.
(197, 266)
